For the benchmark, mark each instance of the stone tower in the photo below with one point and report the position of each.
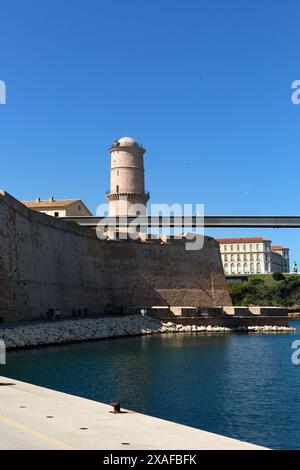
(127, 182)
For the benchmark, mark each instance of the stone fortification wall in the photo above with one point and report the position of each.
(49, 263)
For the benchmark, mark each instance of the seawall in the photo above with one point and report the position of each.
(38, 334)
(49, 263)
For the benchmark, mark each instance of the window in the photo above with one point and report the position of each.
(258, 268)
(252, 268)
(245, 268)
(117, 188)
(239, 268)
(258, 257)
(238, 257)
(251, 257)
(117, 172)
(232, 258)
(226, 268)
(225, 247)
(79, 207)
(244, 247)
(225, 258)
(231, 247)
(266, 267)
(232, 268)
(238, 247)
(56, 214)
(250, 247)
(245, 257)
(257, 247)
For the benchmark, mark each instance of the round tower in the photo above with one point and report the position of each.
(127, 181)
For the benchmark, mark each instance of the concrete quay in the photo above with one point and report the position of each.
(36, 418)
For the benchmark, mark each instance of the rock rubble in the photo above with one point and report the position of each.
(71, 331)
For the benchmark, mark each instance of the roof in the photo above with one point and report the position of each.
(51, 203)
(279, 247)
(242, 240)
(127, 141)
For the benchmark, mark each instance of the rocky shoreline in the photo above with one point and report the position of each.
(88, 329)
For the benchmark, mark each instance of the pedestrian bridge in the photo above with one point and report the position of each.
(211, 221)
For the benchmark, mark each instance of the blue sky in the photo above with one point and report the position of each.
(204, 85)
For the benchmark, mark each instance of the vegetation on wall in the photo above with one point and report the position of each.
(276, 290)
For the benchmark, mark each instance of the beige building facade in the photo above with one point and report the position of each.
(241, 256)
(280, 259)
(59, 207)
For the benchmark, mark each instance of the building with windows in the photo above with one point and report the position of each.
(280, 259)
(242, 256)
(59, 207)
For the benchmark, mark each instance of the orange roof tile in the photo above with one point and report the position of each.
(279, 247)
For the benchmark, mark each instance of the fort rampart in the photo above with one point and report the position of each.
(49, 263)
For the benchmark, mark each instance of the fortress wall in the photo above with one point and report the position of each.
(49, 263)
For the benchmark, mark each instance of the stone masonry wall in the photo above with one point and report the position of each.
(49, 263)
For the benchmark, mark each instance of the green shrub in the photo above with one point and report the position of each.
(278, 277)
(256, 281)
(266, 291)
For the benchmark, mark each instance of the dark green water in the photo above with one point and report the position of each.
(243, 386)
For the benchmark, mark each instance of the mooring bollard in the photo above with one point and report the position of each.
(116, 406)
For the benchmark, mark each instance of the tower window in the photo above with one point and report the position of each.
(117, 188)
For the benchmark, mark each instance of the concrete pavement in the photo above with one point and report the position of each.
(33, 417)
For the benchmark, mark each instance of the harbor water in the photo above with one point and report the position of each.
(240, 385)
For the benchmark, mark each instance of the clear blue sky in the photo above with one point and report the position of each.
(204, 85)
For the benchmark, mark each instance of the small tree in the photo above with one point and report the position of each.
(278, 277)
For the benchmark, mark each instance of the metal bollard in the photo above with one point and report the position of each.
(116, 406)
